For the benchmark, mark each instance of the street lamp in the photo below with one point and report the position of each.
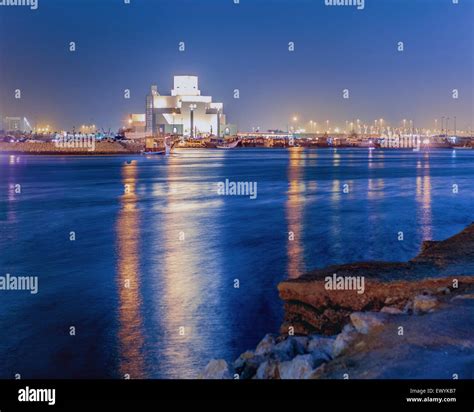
(174, 128)
(295, 119)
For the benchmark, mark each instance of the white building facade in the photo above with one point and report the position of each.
(15, 124)
(185, 112)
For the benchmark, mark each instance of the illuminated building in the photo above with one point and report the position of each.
(16, 124)
(185, 112)
(136, 126)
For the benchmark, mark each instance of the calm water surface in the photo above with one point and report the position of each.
(148, 283)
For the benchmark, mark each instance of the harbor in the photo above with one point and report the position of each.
(18, 143)
(185, 118)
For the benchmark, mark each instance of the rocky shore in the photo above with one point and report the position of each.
(413, 320)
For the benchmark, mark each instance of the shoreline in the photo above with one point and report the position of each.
(78, 154)
(139, 152)
(411, 315)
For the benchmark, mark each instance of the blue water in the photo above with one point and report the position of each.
(148, 284)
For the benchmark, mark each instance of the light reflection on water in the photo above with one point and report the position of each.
(423, 197)
(294, 211)
(189, 261)
(130, 333)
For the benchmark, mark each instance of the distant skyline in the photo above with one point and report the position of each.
(241, 46)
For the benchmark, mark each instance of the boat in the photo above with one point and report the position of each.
(159, 152)
(168, 143)
(231, 145)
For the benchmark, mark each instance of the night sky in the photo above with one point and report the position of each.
(243, 47)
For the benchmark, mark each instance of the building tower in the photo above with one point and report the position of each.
(150, 128)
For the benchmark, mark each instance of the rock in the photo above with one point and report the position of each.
(318, 372)
(321, 344)
(319, 358)
(344, 340)
(437, 345)
(426, 245)
(240, 362)
(424, 303)
(452, 251)
(408, 308)
(366, 322)
(301, 367)
(247, 364)
(264, 362)
(216, 369)
(300, 344)
(390, 300)
(360, 345)
(266, 345)
(391, 310)
(312, 308)
(268, 370)
(290, 347)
